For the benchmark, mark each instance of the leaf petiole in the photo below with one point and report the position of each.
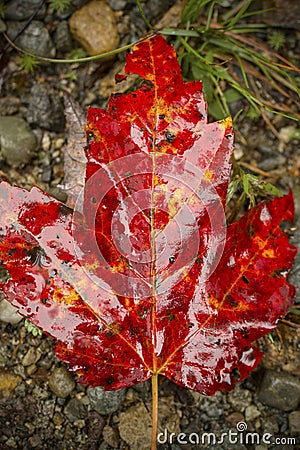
(154, 382)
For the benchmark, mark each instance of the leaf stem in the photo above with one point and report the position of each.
(72, 60)
(148, 24)
(154, 382)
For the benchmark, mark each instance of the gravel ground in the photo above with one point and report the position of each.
(41, 404)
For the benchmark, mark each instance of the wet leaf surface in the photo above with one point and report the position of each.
(144, 277)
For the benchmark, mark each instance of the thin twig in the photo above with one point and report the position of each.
(290, 324)
(256, 170)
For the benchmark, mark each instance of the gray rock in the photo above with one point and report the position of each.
(62, 37)
(23, 9)
(35, 38)
(105, 402)
(61, 382)
(45, 108)
(18, 143)
(294, 422)
(240, 398)
(8, 313)
(75, 410)
(117, 5)
(270, 425)
(280, 390)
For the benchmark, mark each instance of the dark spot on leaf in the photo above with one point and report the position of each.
(86, 369)
(170, 137)
(245, 279)
(250, 231)
(109, 333)
(161, 116)
(228, 136)
(235, 374)
(234, 303)
(171, 317)
(110, 380)
(90, 136)
(94, 200)
(244, 334)
(53, 273)
(171, 259)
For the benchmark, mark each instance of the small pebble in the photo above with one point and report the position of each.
(251, 413)
(294, 422)
(235, 418)
(61, 382)
(8, 382)
(31, 357)
(8, 313)
(110, 436)
(105, 402)
(75, 410)
(35, 440)
(18, 143)
(58, 143)
(46, 142)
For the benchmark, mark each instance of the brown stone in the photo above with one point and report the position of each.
(94, 27)
(8, 382)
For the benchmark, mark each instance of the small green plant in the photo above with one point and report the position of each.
(218, 48)
(60, 5)
(28, 63)
(31, 328)
(276, 39)
(247, 190)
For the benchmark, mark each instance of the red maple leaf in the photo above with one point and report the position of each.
(148, 279)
